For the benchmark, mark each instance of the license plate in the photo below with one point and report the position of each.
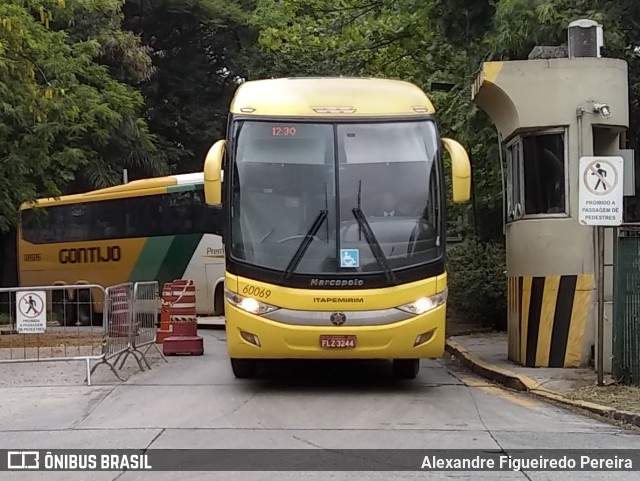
(337, 342)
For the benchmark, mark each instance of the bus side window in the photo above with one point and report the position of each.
(76, 226)
(153, 212)
(36, 225)
(107, 221)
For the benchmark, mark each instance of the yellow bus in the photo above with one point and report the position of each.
(151, 229)
(334, 201)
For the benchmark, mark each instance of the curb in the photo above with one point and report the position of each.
(520, 382)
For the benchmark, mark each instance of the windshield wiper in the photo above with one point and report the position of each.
(374, 244)
(308, 238)
(304, 245)
(371, 239)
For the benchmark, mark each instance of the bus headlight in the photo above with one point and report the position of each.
(249, 304)
(425, 304)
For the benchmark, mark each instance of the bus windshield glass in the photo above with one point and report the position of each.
(336, 198)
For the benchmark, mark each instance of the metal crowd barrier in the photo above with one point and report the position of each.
(52, 323)
(133, 311)
(146, 307)
(146, 315)
(117, 329)
(80, 322)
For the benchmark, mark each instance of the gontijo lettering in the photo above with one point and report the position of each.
(88, 255)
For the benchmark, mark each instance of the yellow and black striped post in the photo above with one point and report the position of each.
(547, 319)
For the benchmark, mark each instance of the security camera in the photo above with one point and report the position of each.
(603, 109)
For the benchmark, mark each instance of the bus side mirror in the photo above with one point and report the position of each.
(213, 173)
(460, 170)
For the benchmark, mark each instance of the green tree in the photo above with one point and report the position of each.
(61, 112)
(133, 147)
(199, 50)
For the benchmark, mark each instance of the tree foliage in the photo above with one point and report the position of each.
(199, 51)
(61, 112)
(476, 281)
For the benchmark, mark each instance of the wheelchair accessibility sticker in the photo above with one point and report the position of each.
(349, 258)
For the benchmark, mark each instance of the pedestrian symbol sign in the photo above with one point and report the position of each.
(31, 314)
(349, 258)
(601, 177)
(601, 191)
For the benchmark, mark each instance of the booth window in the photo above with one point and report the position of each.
(536, 175)
(514, 162)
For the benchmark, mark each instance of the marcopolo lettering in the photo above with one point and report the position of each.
(336, 282)
(90, 255)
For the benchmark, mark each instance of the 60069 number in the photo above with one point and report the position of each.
(256, 291)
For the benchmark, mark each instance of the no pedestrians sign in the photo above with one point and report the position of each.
(31, 312)
(601, 191)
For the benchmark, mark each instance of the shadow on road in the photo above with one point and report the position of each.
(337, 375)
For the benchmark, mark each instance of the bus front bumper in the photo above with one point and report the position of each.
(253, 337)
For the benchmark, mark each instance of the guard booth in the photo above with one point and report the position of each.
(549, 113)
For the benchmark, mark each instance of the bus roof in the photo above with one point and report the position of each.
(170, 182)
(328, 96)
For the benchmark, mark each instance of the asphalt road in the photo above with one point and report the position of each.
(195, 402)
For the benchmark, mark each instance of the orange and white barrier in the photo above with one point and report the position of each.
(183, 321)
(165, 312)
(178, 314)
(183, 308)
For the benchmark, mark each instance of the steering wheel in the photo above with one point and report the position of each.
(294, 237)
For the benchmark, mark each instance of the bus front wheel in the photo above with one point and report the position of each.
(406, 368)
(244, 368)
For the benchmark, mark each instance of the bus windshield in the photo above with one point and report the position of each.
(335, 198)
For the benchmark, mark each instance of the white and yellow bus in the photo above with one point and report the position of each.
(334, 201)
(151, 229)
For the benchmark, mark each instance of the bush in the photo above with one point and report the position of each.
(4, 319)
(477, 283)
